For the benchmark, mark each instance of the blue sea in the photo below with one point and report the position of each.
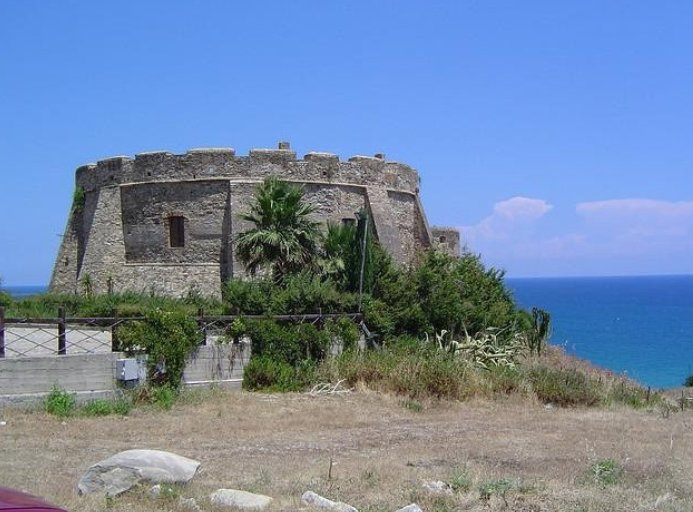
(24, 291)
(639, 326)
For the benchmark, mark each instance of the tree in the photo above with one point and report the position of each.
(284, 238)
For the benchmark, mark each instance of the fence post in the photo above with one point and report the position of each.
(115, 344)
(201, 324)
(61, 331)
(2, 332)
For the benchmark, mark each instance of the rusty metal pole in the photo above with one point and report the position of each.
(2, 332)
(62, 350)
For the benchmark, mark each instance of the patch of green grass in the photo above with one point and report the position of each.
(461, 481)
(605, 473)
(121, 406)
(59, 402)
(496, 487)
(411, 404)
(564, 387)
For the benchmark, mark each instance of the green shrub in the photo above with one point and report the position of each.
(630, 394)
(163, 397)
(168, 338)
(605, 473)
(496, 487)
(689, 381)
(121, 406)
(461, 481)
(264, 373)
(59, 402)
(563, 387)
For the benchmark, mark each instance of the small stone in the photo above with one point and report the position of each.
(155, 491)
(410, 508)
(189, 504)
(239, 499)
(437, 487)
(3, 423)
(315, 500)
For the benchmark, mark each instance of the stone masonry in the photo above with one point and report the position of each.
(167, 223)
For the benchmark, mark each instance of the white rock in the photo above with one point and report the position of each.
(410, 508)
(239, 499)
(155, 491)
(124, 470)
(189, 504)
(438, 487)
(315, 500)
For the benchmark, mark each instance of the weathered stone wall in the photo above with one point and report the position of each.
(121, 239)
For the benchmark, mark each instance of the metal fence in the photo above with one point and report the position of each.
(61, 335)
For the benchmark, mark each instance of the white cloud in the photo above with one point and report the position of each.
(509, 216)
(617, 236)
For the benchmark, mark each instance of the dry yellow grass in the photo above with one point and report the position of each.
(281, 445)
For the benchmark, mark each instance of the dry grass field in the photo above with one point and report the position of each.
(509, 454)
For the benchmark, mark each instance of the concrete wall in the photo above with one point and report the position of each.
(90, 376)
(120, 239)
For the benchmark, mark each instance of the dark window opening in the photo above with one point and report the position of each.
(348, 221)
(443, 239)
(176, 231)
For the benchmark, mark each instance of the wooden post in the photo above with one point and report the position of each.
(115, 345)
(61, 332)
(2, 331)
(201, 324)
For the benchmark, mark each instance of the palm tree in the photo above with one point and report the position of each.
(283, 238)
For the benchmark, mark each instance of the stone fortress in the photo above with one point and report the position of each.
(167, 223)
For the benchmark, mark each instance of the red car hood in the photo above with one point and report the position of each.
(17, 500)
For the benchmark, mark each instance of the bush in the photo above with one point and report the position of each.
(563, 387)
(689, 381)
(121, 406)
(605, 473)
(168, 338)
(264, 373)
(59, 402)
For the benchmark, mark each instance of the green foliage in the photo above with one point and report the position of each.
(120, 406)
(344, 251)
(78, 200)
(264, 373)
(538, 331)
(168, 338)
(300, 293)
(689, 381)
(59, 402)
(496, 487)
(283, 237)
(564, 387)
(628, 393)
(461, 481)
(442, 293)
(486, 350)
(5, 298)
(605, 473)
(288, 343)
(411, 404)
(163, 396)
(127, 304)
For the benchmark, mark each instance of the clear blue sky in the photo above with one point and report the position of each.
(557, 135)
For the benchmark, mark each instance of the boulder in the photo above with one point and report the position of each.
(124, 470)
(239, 499)
(315, 500)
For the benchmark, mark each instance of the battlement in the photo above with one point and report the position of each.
(223, 163)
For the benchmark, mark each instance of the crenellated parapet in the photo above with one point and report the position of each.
(223, 163)
(168, 223)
